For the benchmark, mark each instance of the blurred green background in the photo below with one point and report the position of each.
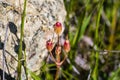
(93, 28)
(94, 33)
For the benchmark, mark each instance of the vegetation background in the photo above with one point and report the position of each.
(94, 33)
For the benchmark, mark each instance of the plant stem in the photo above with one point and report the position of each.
(57, 73)
(57, 61)
(58, 66)
(113, 26)
(21, 39)
(95, 71)
(25, 65)
(52, 57)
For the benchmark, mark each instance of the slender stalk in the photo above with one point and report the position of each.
(58, 43)
(95, 71)
(25, 65)
(58, 66)
(4, 53)
(113, 26)
(21, 39)
(57, 61)
(52, 57)
(6, 63)
(57, 73)
(11, 55)
(65, 57)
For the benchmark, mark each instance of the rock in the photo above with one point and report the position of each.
(41, 15)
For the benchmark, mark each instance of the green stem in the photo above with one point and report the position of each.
(95, 70)
(25, 65)
(21, 39)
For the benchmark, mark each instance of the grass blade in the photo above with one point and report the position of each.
(33, 75)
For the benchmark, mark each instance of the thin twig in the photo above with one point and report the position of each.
(89, 74)
(11, 55)
(52, 57)
(6, 64)
(111, 51)
(4, 54)
(65, 57)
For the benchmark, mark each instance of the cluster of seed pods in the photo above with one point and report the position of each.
(58, 48)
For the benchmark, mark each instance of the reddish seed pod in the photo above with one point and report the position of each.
(66, 46)
(49, 45)
(58, 28)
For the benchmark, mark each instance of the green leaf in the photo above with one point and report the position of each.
(84, 25)
(77, 34)
(81, 30)
(69, 75)
(115, 75)
(33, 75)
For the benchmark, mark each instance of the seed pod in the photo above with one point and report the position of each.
(66, 46)
(49, 45)
(58, 28)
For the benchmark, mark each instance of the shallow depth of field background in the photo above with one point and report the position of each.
(93, 27)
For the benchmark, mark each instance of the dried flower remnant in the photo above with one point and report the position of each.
(58, 28)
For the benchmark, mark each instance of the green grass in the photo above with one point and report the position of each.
(95, 70)
(98, 20)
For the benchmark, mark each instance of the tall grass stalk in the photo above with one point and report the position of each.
(95, 70)
(113, 25)
(21, 40)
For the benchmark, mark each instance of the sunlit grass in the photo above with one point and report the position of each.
(97, 20)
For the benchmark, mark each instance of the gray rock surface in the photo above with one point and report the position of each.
(41, 15)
